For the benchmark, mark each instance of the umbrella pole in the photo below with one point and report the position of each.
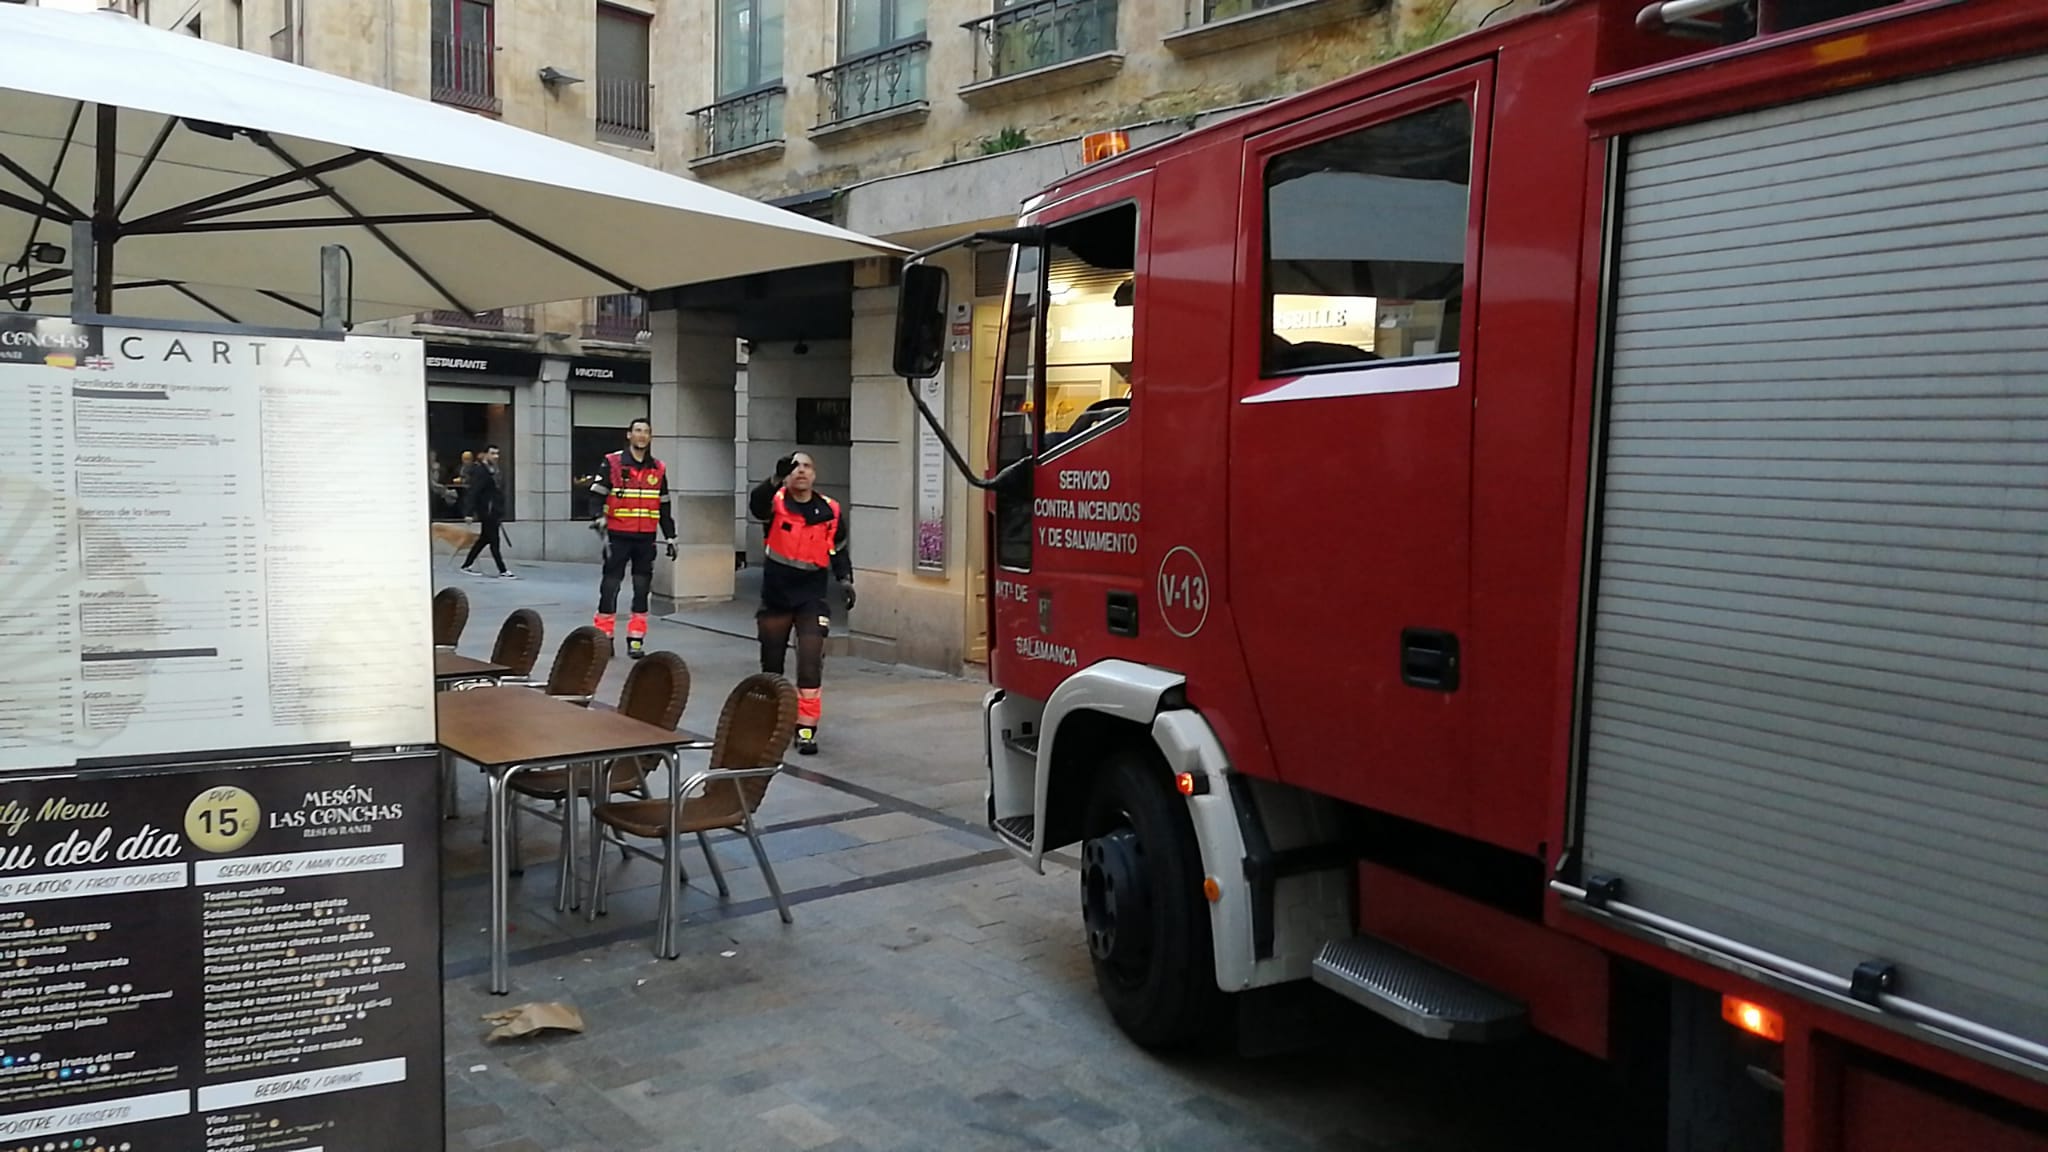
(105, 213)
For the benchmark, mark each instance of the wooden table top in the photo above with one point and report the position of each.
(497, 727)
(449, 665)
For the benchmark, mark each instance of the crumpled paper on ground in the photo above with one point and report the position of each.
(528, 1019)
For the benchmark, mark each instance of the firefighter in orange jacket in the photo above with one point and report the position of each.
(634, 486)
(806, 539)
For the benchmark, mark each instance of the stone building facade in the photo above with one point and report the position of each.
(909, 120)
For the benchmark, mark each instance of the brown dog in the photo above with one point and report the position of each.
(459, 536)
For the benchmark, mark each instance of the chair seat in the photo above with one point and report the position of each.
(553, 783)
(648, 819)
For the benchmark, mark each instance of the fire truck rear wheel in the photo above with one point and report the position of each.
(1142, 904)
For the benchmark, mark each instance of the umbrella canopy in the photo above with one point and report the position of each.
(213, 177)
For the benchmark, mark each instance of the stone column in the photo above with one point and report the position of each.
(544, 481)
(879, 478)
(692, 407)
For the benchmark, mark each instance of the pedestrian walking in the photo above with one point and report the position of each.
(634, 486)
(806, 539)
(485, 498)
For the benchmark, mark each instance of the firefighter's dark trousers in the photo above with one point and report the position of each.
(811, 622)
(620, 549)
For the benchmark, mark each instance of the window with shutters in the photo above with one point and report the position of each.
(623, 104)
(1365, 244)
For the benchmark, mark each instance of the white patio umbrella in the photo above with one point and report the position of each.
(214, 176)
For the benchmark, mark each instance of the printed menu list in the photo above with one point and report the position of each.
(190, 575)
(238, 960)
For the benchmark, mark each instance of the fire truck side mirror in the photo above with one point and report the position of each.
(921, 321)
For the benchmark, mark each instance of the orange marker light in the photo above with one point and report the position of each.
(1186, 783)
(1212, 889)
(1102, 145)
(1754, 1019)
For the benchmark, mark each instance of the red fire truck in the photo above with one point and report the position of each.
(1551, 534)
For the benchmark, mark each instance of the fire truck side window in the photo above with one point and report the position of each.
(1365, 244)
(1091, 298)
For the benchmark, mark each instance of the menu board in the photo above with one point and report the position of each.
(209, 543)
(223, 959)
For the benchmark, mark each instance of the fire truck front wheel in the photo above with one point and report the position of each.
(1142, 905)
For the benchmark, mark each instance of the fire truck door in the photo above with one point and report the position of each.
(1068, 546)
(1351, 441)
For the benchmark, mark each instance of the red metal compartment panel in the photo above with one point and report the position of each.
(1803, 1014)
(1188, 604)
(1883, 45)
(1522, 471)
(1811, 727)
(1563, 980)
(1879, 1113)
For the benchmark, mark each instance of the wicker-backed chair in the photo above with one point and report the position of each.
(518, 645)
(516, 650)
(656, 692)
(578, 668)
(574, 676)
(451, 615)
(754, 731)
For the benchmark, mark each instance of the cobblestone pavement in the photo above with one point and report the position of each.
(933, 995)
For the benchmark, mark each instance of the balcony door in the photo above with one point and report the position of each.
(882, 53)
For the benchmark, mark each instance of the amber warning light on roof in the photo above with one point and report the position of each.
(1102, 145)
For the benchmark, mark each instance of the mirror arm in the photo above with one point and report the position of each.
(1028, 234)
(959, 462)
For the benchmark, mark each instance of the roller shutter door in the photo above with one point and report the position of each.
(1818, 695)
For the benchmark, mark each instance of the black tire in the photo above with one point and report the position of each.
(1158, 972)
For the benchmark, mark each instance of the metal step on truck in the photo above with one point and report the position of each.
(1551, 534)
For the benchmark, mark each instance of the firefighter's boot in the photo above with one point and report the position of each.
(636, 635)
(604, 622)
(810, 708)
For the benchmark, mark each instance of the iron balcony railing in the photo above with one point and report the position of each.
(514, 320)
(624, 111)
(462, 74)
(622, 319)
(872, 82)
(1025, 37)
(738, 122)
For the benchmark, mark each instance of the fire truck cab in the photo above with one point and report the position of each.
(1551, 534)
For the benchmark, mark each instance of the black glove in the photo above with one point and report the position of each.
(783, 468)
(671, 546)
(848, 586)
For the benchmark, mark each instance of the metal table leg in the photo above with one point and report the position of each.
(501, 915)
(671, 862)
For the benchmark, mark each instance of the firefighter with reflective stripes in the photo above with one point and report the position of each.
(805, 539)
(634, 486)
